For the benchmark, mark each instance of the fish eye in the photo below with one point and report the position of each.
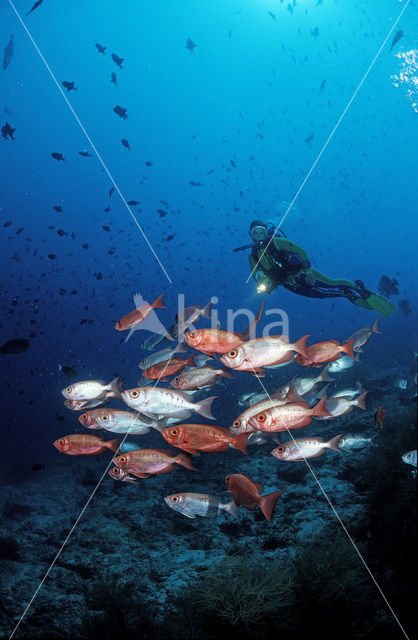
(142, 361)
(116, 471)
(228, 480)
(233, 353)
(193, 334)
(176, 379)
(85, 417)
(123, 459)
(175, 499)
(68, 389)
(281, 449)
(61, 442)
(174, 432)
(236, 423)
(261, 417)
(105, 418)
(134, 394)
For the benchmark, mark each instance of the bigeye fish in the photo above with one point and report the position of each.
(410, 457)
(119, 474)
(93, 390)
(156, 401)
(86, 444)
(305, 448)
(117, 421)
(160, 356)
(188, 316)
(199, 504)
(261, 352)
(362, 336)
(198, 377)
(146, 462)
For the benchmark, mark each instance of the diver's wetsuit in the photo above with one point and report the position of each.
(285, 263)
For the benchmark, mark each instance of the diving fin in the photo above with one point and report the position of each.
(380, 305)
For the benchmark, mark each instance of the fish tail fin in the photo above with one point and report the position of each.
(324, 376)
(231, 508)
(115, 387)
(240, 442)
(60, 367)
(131, 332)
(348, 349)
(333, 443)
(360, 401)
(300, 346)
(268, 502)
(113, 445)
(184, 461)
(320, 409)
(227, 374)
(207, 310)
(376, 326)
(190, 361)
(158, 303)
(204, 407)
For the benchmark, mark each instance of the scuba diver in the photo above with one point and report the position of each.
(276, 261)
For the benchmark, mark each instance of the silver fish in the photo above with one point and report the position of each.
(160, 356)
(199, 504)
(118, 421)
(401, 383)
(342, 364)
(410, 457)
(350, 441)
(362, 336)
(340, 406)
(157, 401)
(250, 399)
(350, 393)
(93, 390)
(306, 385)
(305, 448)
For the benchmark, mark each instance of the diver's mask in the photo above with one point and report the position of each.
(264, 285)
(259, 233)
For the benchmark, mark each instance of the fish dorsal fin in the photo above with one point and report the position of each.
(292, 395)
(259, 487)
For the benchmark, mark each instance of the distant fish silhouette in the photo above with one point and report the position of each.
(100, 48)
(190, 45)
(114, 79)
(118, 61)
(8, 53)
(7, 131)
(57, 156)
(126, 144)
(85, 154)
(69, 85)
(398, 35)
(35, 6)
(121, 112)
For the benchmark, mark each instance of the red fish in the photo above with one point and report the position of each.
(379, 416)
(247, 493)
(327, 351)
(166, 368)
(143, 463)
(203, 437)
(85, 444)
(212, 340)
(140, 313)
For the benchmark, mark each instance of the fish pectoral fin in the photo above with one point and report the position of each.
(188, 515)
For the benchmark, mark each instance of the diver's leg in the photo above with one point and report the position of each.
(356, 292)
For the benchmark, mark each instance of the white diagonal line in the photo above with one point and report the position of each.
(102, 162)
(328, 140)
(336, 514)
(81, 514)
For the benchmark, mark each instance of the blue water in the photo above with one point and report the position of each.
(233, 116)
